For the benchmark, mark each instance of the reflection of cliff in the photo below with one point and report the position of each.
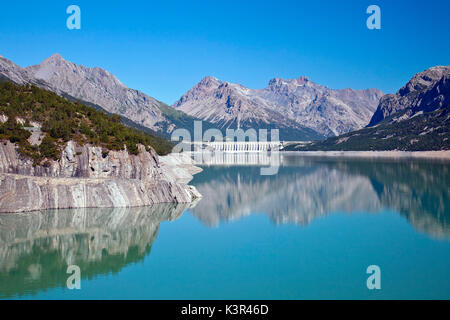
(307, 188)
(37, 247)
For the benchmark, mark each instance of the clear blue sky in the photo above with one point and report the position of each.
(164, 47)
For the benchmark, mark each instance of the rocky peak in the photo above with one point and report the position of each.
(424, 79)
(303, 80)
(426, 91)
(292, 85)
(209, 82)
(276, 84)
(53, 59)
(100, 87)
(56, 66)
(297, 103)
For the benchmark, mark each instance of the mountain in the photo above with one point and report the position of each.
(11, 72)
(416, 118)
(57, 154)
(426, 91)
(101, 89)
(330, 112)
(300, 108)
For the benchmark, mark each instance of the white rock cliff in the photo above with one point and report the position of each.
(85, 177)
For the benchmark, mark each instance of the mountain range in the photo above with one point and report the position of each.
(299, 108)
(98, 88)
(416, 118)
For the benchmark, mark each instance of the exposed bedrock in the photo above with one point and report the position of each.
(87, 177)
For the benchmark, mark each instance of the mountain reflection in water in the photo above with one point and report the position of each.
(37, 247)
(306, 188)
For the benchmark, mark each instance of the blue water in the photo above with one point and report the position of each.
(244, 240)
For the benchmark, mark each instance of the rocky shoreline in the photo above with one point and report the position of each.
(86, 177)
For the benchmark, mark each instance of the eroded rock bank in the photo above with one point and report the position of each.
(85, 176)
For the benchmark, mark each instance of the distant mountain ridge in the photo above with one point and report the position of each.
(299, 108)
(416, 118)
(98, 87)
(298, 104)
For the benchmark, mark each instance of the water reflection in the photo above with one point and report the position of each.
(37, 247)
(306, 188)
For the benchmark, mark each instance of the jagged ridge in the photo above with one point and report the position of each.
(314, 111)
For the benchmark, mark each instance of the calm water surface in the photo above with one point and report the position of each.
(308, 232)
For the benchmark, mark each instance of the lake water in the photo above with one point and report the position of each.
(308, 232)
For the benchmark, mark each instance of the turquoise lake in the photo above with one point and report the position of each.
(308, 232)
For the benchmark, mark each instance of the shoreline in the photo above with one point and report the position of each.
(441, 155)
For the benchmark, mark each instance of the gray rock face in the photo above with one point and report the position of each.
(99, 87)
(84, 162)
(426, 91)
(92, 85)
(415, 119)
(330, 112)
(179, 167)
(9, 71)
(84, 177)
(299, 103)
